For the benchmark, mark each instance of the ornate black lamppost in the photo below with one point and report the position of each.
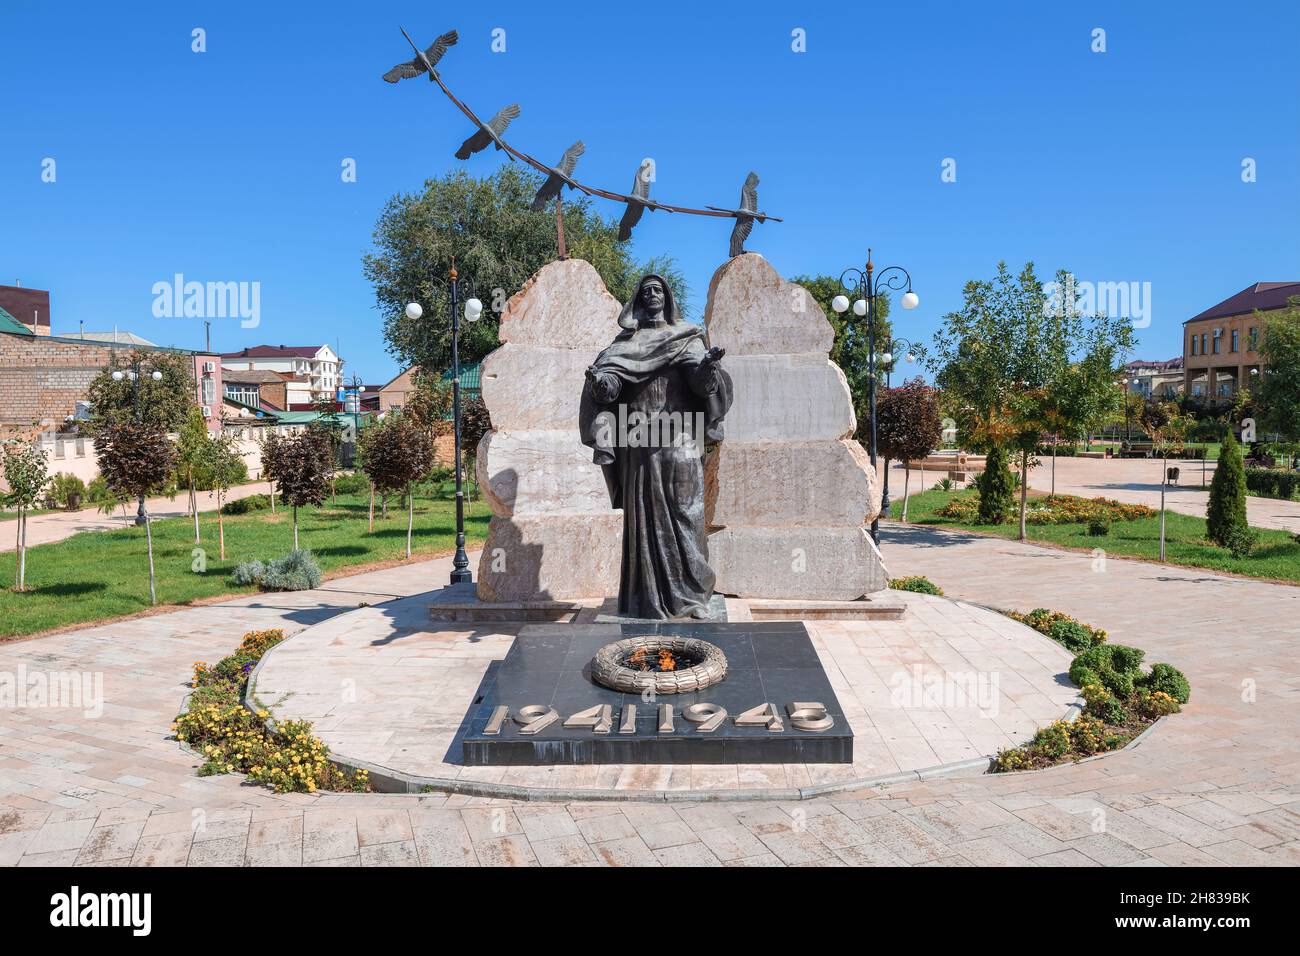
(1128, 408)
(865, 284)
(910, 351)
(460, 572)
(133, 373)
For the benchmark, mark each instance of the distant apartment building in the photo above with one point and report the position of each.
(1221, 344)
(28, 307)
(314, 372)
(1162, 380)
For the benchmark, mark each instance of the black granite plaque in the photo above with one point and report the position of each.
(549, 665)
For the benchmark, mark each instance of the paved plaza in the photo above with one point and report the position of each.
(1217, 784)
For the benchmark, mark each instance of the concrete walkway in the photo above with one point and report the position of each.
(57, 525)
(1218, 784)
(1133, 481)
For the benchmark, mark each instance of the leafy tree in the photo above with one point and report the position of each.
(300, 465)
(849, 349)
(25, 473)
(225, 466)
(398, 454)
(1225, 513)
(474, 424)
(487, 225)
(329, 429)
(136, 459)
(908, 427)
(271, 447)
(1165, 424)
(1277, 394)
(165, 403)
(191, 457)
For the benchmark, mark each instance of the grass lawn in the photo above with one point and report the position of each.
(102, 574)
(1277, 556)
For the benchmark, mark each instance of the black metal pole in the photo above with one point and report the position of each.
(460, 572)
(871, 376)
(140, 517)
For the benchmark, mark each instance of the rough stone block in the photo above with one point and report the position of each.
(823, 564)
(540, 472)
(785, 484)
(753, 311)
(528, 387)
(564, 305)
(798, 397)
(551, 557)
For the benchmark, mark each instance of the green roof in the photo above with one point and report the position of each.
(11, 325)
(470, 379)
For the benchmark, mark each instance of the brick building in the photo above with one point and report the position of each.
(1221, 344)
(28, 307)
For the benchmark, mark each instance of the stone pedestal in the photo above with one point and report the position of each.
(553, 535)
(788, 493)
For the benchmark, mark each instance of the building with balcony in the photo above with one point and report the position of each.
(1221, 344)
(318, 367)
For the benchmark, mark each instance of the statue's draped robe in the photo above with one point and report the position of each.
(658, 369)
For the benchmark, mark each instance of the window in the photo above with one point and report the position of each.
(1233, 347)
(1217, 347)
(1193, 344)
(209, 391)
(1203, 351)
(1252, 339)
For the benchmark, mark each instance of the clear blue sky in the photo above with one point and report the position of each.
(225, 165)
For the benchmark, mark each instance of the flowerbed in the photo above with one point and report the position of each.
(916, 583)
(1120, 699)
(233, 739)
(1052, 509)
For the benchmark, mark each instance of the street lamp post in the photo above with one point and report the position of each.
(910, 351)
(137, 413)
(460, 573)
(1128, 406)
(866, 284)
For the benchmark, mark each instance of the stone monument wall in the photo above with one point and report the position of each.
(552, 532)
(788, 493)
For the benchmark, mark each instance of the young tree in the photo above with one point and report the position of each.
(330, 430)
(1225, 513)
(136, 459)
(25, 473)
(271, 447)
(398, 454)
(996, 486)
(1167, 428)
(301, 466)
(908, 427)
(191, 455)
(224, 465)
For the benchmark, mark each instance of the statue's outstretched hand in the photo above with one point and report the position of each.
(591, 373)
(715, 354)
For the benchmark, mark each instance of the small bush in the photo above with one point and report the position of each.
(296, 571)
(1072, 634)
(1098, 527)
(1151, 706)
(242, 506)
(997, 486)
(68, 491)
(916, 583)
(1225, 513)
(1241, 541)
(356, 483)
(1114, 666)
(1103, 705)
(1167, 679)
(945, 484)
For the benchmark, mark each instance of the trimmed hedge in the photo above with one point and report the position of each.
(1272, 482)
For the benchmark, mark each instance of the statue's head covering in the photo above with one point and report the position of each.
(630, 317)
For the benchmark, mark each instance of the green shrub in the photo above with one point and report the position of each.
(1102, 704)
(997, 488)
(1151, 705)
(1071, 634)
(1226, 511)
(68, 491)
(296, 571)
(1114, 666)
(1241, 541)
(1098, 527)
(1167, 679)
(356, 483)
(242, 506)
(916, 583)
(944, 484)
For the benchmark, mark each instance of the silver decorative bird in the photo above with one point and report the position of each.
(559, 177)
(489, 133)
(637, 203)
(745, 215)
(425, 61)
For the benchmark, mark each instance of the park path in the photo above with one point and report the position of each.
(1217, 785)
(57, 525)
(1132, 481)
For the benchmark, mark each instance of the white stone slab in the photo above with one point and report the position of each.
(564, 305)
(798, 397)
(751, 310)
(823, 564)
(528, 387)
(554, 557)
(540, 472)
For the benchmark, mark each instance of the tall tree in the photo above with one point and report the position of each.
(165, 403)
(191, 457)
(25, 473)
(1277, 394)
(908, 427)
(1225, 511)
(137, 459)
(488, 226)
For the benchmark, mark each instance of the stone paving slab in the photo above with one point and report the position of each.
(1228, 767)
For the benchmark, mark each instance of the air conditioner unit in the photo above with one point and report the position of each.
(207, 411)
(209, 367)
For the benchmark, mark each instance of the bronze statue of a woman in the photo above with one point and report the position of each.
(652, 402)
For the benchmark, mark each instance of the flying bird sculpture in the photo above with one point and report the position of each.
(637, 203)
(423, 62)
(746, 215)
(559, 177)
(490, 133)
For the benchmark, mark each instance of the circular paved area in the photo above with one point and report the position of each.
(947, 684)
(1216, 784)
